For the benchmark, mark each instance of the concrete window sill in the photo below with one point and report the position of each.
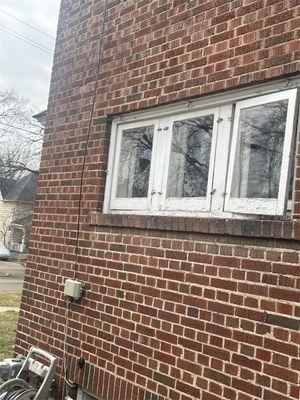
(265, 228)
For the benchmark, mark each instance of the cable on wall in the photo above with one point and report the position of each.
(79, 210)
(89, 134)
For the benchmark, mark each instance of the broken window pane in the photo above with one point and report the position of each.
(259, 150)
(190, 157)
(135, 162)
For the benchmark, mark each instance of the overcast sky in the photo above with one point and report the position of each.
(25, 68)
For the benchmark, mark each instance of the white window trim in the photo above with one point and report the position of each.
(217, 201)
(259, 205)
(221, 160)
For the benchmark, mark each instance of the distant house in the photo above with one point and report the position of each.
(16, 207)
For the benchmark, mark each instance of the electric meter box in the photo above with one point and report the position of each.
(73, 289)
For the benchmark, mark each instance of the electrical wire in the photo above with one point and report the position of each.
(26, 39)
(65, 350)
(88, 138)
(20, 129)
(26, 23)
(65, 361)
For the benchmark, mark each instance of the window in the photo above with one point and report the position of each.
(134, 166)
(189, 161)
(217, 159)
(260, 154)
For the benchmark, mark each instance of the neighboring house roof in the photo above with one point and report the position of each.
(41, 117)
(24, 221)
(22, 190)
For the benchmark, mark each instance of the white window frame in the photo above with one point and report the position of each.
(263, 206)
(198, 204)
(217, 202)
(140, 203)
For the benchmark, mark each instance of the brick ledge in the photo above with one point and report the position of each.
(236, 227)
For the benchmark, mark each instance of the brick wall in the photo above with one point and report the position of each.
(173, 313)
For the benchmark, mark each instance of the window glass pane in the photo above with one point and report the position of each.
(259, 150)
(190, 156)
(135, 162)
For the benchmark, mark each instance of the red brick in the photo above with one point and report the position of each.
(247, 387)
(174, 307)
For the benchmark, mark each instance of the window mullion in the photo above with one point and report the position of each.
(166, 140)
(158, 192)
(221, 159)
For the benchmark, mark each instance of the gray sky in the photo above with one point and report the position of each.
(22, 66)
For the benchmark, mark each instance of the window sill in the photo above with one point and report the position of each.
(264, 228)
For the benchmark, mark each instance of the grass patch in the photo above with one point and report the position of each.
(8, 327)
(8, 323)
(10, 299)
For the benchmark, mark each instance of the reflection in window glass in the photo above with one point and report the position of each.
(135, 162)
(259, 150)
(190, 156)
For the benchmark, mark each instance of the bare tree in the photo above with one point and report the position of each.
(21, 136)
(190, 157)
(135, 162)
(4, 230)
(258, 165)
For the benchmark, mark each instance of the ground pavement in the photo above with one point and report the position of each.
(11, 276)
(11, 279)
